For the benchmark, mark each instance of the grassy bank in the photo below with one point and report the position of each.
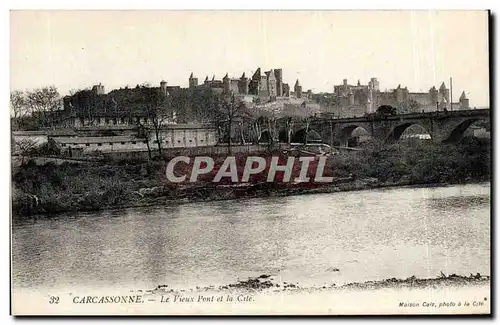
(71, 187)
(270, 282)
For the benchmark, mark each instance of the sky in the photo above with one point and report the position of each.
(417, 49)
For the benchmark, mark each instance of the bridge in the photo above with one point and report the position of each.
(443, 126)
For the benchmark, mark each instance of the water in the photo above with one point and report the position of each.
(366, 235)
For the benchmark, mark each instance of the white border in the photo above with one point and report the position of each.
(185, 4)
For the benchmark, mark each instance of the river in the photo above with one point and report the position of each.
(310, 240)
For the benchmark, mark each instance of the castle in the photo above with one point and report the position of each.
(367, 98)
(269, 85)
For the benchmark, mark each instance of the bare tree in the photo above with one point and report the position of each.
(229, 111)
(289, 123)
(307, 119)
(23, 147)
(159, 110)
(257, 126)
(18, 107)
(42, 104)
(143, 133)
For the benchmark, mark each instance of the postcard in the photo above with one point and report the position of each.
(250, 162)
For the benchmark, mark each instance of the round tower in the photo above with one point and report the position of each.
(163, 87)
(464, 101)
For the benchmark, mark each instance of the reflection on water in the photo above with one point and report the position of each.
(366, 235)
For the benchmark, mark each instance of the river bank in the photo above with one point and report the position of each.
(52, 189)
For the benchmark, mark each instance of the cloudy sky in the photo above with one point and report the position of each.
(417, 49)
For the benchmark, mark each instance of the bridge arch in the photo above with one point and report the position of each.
(398, 131)
(347, 131)
(301, 137)
(457, 132)
(265, 136)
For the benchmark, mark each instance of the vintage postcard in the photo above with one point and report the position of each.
(250, 162)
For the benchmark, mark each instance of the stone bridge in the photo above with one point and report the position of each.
(442, 126)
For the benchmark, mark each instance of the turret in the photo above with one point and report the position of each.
(369, 101)
(163, 87)
(464, 101)
(271, 83)
(254, 85)
(433, 93)
(297, 89)
(243, 84)
(226, 84)
(442, 104)
(350, 96)
(278, 73)
(98, 89)
(444, 92)
(193, 81)
(399, 94)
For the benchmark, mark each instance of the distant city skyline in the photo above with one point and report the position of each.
(417, 49)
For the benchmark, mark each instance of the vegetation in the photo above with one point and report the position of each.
(34, 109)
(71, 187)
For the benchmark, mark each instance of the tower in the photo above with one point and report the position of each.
(98, 89)
(193, 81)
(226, 84)
(399, 94)
(375, 84)
(464, 101)
(444, 92)
(163, 87)
(271, 84)
(369, 101)
(253, 88)
(442, 104)
(297, 89)
(351, 97)
(243, 85)
(286, 90)
(433, 94)
(278, 73)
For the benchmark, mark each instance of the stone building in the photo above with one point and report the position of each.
(267, 85)
(171, 136)
(367, 98)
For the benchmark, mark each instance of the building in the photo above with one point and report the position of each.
(361, 99)
(172, 136)
(267, 85)
(124, 106)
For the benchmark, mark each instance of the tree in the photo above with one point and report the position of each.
(228, 111)
(408, 106)
(24, 147)
(18, 108)
(42, 103)
(159, 111)
(257, 124)
(307, 119)
(289, 123)
(143, 133)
